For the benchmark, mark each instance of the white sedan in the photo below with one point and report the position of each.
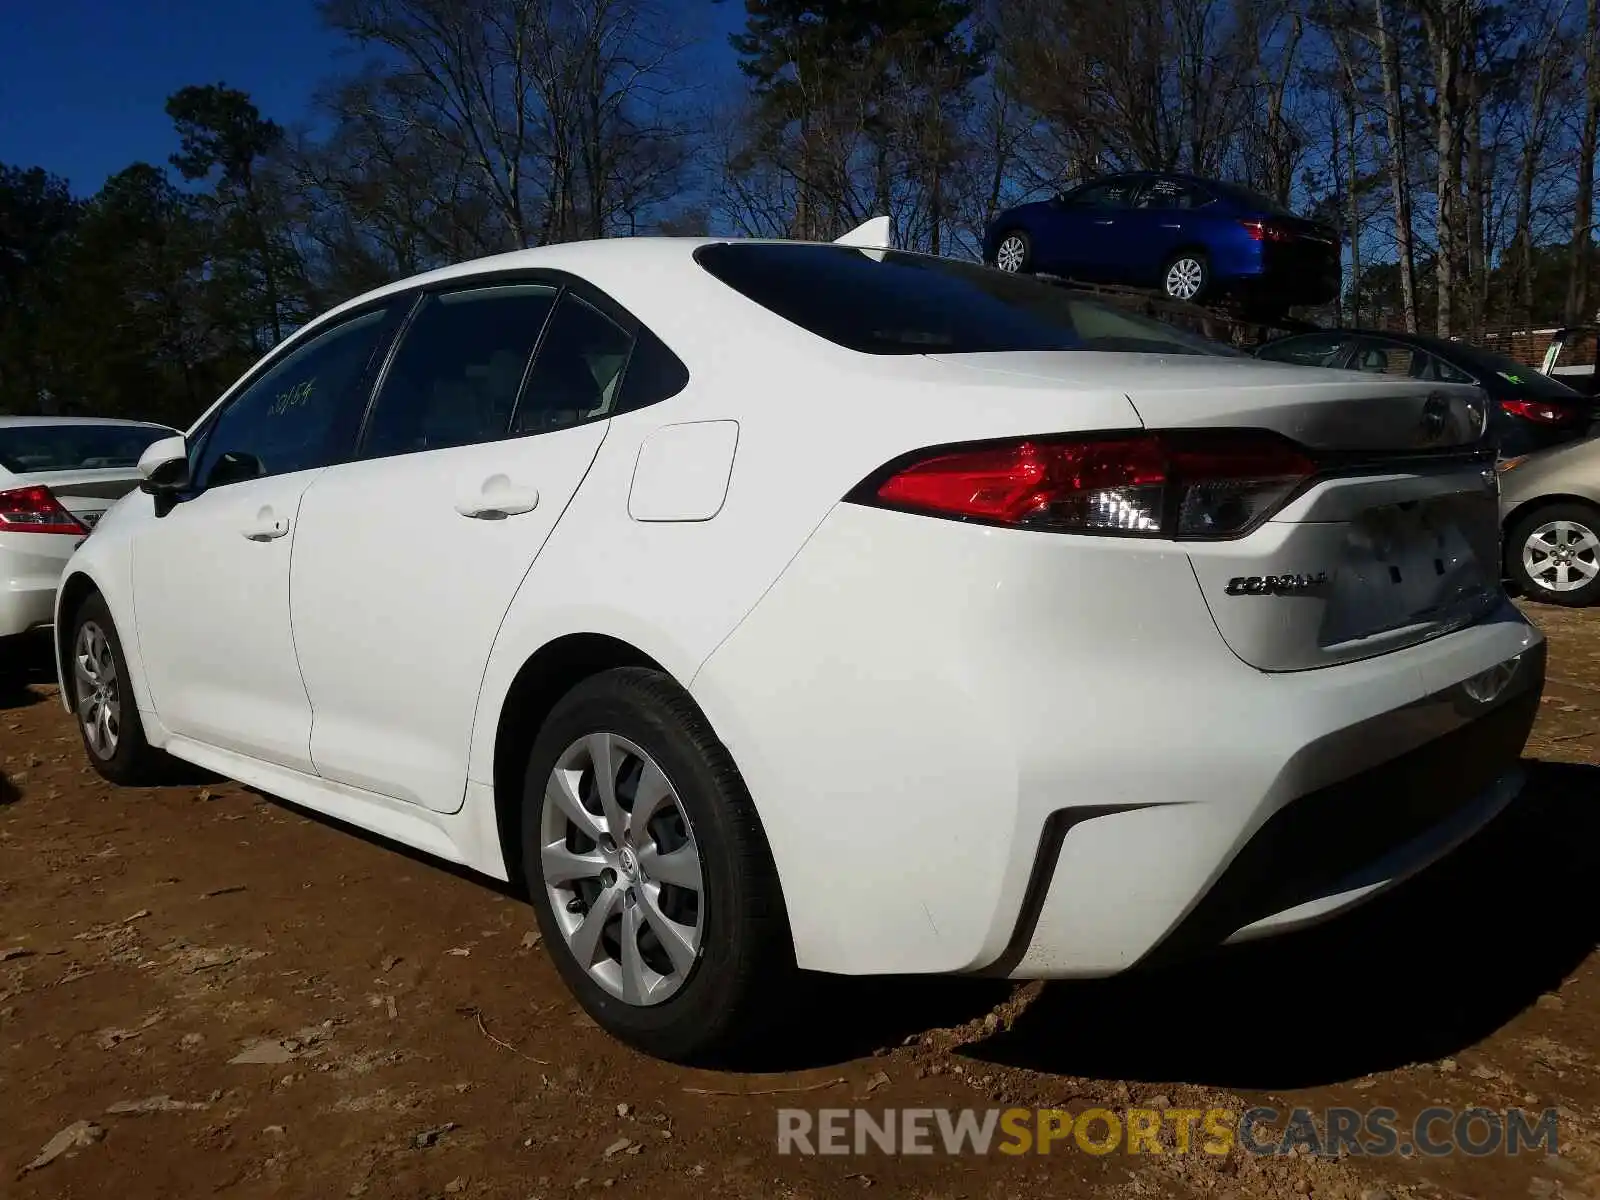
(771, 604)
(57, 475)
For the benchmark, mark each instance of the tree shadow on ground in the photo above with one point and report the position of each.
(1433, 967)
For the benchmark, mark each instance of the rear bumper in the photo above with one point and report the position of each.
(1340, 845)
(30, 569)
(1034, 755)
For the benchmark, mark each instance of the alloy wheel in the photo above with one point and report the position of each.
(1561, 556)
(1012, 253)
(1184, 278)
(99, 699)
(622, 869)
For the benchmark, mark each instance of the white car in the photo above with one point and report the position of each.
(57, 475)
(771, 604)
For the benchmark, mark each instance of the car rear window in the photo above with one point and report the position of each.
(27, 449)
(1259, 201)
(890, 302)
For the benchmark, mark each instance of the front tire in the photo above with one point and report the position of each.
(1553, 554)
(649, 873)
(108, 717)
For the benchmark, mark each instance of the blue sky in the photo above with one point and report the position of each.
(83, 82)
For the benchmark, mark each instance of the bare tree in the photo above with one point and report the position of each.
(543, 120)
(1578, 304)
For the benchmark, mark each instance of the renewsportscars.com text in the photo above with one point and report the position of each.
(1217, 1131)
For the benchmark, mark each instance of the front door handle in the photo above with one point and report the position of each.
(1171, 225)
(497, 498)
(1106, 221)
(267, 526)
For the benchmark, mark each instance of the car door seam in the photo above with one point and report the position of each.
(511, 600)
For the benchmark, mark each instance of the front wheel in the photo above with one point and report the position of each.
(649, 873)
(1187, 277)
(1553, 554)
(108, 717)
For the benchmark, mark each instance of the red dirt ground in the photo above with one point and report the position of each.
(423, 1047)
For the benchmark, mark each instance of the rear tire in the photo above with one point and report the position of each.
(1187, 276)
(102, 700)
(1013, 254)
(1553, 554)
(668, 926)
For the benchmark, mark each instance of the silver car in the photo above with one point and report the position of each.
(1550, 512)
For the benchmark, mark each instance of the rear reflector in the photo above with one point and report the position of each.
(1541, 412)
(36, 510)
(1216, 484)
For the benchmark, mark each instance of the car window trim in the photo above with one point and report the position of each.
(198, 437)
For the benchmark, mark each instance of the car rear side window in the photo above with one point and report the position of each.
(576, 374)
(1385, 358)
(25, 449)
(887, 302)
(1173, 193)
(1312, 350)
(461, 362)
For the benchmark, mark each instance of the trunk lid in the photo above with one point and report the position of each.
(1393, 542)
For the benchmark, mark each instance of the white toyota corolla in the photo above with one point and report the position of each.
(765, 604)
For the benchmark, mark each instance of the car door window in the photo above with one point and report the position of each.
(577, 370)
(1112, 193)
(1384, 358)
(1433, 369)
(1312, 350)
(1168, 194)
(461, 362)
(299, 415)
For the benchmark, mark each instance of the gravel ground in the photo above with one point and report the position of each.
(204, 991)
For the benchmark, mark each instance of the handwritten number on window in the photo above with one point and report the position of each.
(296, 397)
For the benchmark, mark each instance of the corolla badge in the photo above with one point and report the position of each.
(1276, 585)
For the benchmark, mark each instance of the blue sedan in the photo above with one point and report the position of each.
(1194, 239)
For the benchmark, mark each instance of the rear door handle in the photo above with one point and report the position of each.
(1105, 221)
(497, 498)
(1171, 225)
(267, 526)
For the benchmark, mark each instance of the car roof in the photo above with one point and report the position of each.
(608, 256)
(25, 422)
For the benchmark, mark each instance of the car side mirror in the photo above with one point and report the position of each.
(164, 466)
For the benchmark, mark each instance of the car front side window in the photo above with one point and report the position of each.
(297, 416)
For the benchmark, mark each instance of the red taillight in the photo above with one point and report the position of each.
(1266, 231)
(36, 510)
(1541, 413)
(1194, 485)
